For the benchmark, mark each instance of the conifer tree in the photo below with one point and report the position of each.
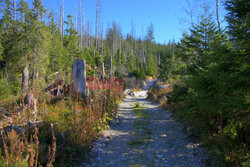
(238, 23)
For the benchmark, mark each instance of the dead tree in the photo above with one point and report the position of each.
(76, 18)
(120, 51)
(14, 9)
(80, 24)
(62, 19)
(102, 40)
(217, 14)
(89, 42)
(79, 83)
(110, 72)
(84, 28)
(103, 69)
(25, 81)
(28, 98)
(96, 24)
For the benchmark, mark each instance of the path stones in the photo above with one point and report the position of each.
(155, 138)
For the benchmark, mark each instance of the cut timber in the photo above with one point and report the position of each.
(79, 82)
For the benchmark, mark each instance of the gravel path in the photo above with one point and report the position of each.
(146, 137)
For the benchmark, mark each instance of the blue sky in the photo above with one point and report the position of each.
(168, 16)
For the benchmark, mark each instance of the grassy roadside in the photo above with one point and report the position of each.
(75, 125)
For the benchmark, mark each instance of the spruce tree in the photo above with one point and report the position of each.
(238, 19)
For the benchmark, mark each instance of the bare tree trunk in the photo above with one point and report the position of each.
(79, 78)
(102, 41)
(57, 13)
(217, 14)
(120, 51)
(84, 28)
(103, 69)
(14, 9)
(80, 23)
(63, 20)
(25, 81)
(111, 66)
(96, 24)
(132, 47)
(125, 56)
(88, 34)
(76, 17)
(113, 53)
(28, 98)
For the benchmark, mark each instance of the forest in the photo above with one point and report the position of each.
(46, 123)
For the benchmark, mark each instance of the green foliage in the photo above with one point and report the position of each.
(45, 48)
(213, 95)
(138, 74)
(8, 89)
(1, 47)
(238, 23)
(151, 65)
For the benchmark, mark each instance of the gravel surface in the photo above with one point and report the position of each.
(149, 137)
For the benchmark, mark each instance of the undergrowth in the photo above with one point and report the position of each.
(223, 132)
(27, 139)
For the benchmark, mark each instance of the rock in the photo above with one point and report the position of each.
(142, 94)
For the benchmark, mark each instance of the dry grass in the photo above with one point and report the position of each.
(22, 149)
(159, 96)
(62, 127)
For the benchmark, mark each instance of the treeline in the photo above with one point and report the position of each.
(48, 122)
(29, 36)
(210, 69)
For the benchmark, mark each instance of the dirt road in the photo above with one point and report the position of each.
(146, 137)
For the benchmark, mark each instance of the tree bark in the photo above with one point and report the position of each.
(120, 51)
(84, 28)
(96, 24)
(79, 78)
(14, 9)
(63, 20)
(103, 69)
(217, 14)
(110, 72)
(25, 81)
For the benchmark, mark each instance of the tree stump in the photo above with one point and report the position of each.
(79, 83)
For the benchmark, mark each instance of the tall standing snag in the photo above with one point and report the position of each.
(217, 14)
(103, 69)
(79, 82)
(26, 97)
(110, 72)
(25, 81)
